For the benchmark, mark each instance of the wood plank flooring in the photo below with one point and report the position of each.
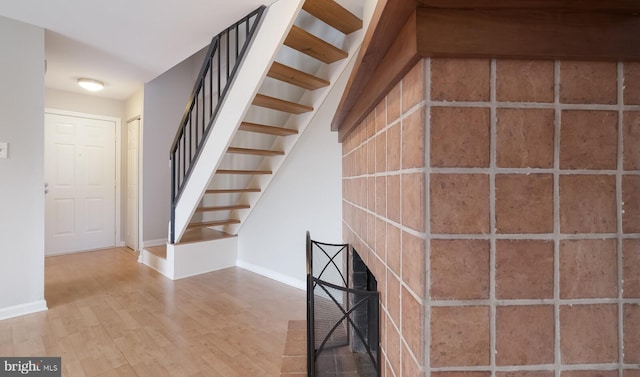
(110, 316)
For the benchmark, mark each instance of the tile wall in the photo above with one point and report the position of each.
(498, 204)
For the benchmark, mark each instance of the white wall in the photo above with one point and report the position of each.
(165, 99)
(306, 194)
(22, 174)
(83, 103)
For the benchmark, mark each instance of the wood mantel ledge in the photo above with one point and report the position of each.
(403, 31)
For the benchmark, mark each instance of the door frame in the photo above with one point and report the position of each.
(139, 177)
(119, 242)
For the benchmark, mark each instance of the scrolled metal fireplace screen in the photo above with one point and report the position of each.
(336, 340)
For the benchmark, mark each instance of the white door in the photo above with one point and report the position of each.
(80, 174)
(132, 222)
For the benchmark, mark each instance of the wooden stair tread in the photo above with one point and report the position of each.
(296, 77)
(202, 234)
(250, 172)
(159, 251)
(213, 223)
(333, 14)
(280, 104)
(259, 152)
(231, 191)
(222, 208)
(313, 46)
(270, 130)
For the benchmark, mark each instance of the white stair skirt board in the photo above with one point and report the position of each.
(270, 35)
(23, 309)
(184, 260)
(159, 264)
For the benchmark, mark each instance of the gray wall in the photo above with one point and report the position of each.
(165, 99)
(21, 175)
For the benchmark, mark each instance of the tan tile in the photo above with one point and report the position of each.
(524, 269)
(460, 374)
(589, 334)
(381, 115)
(412, 323)
(588, 204)
(372, 193)
(588, 82)
(460, 137)
(394, 250)
(393, 198)
(413, 140)
(393, 349)
(631, 135)
(413, 262)
(524, 81)
(459, 269)
(381, 196)
(393, 147)
(381, 152)
(589, 373)
(631, 373)
(632, 83)
(631, 333)
(588, 269)
(393, 104)
(525, 138)
(460, 336)
(371, 124)
(525, 335)
(631, 268)
(413, 203)
(459, 203)
(532, 373)
(413, 86)
(409, 366)
(381, 239)
(589, 140)
(393, 298)
(524, 203)
(370, 147)
(631, 206)
(460, 79)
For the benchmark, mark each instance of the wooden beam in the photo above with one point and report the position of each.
(528, 34)
(627, 6)
(524, 29)
(388, 19)
(401, 57)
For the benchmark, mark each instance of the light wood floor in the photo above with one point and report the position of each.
(110, 316)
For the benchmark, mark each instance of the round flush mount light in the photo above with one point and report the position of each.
(91, 84)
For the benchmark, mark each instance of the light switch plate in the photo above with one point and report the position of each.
(4, 150)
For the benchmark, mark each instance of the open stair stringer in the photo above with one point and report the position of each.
(272, 31)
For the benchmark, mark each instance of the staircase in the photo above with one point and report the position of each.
(262, 82)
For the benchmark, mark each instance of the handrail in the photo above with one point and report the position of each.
(225, 53)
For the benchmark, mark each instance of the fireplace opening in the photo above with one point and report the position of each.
(343, 319)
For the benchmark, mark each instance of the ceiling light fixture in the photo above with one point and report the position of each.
(91, 84)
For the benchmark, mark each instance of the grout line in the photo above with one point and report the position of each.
(400, 320)
(619, 207)
(556, 216)
(535, 105)
(492, 220)
(427, 225)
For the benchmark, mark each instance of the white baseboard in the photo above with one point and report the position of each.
(277, 276)
(152, 243)
(23, 309)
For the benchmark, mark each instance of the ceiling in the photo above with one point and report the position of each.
(123, 43)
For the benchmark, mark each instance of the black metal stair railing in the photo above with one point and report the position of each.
(218, 71)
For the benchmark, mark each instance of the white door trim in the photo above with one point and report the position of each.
(118, 179)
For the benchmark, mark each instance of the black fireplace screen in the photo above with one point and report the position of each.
(343, 328)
